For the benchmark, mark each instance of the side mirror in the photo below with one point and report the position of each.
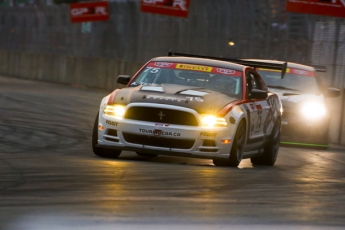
(123, 79)
(258, 94)
(332, 92)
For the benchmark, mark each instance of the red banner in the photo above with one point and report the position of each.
(178, 8)
(335, 8)
(89, 11)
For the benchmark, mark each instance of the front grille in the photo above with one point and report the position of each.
(209, 150)
(111, 135)
(211, 143)
(168, 116)
(209, 146)
(158, 141)
(112, 132)
(111, 139)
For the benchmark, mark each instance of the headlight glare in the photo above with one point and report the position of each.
(313, 110)
(117, 111)
(211, 121)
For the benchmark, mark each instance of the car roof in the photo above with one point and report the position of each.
(201, 61)
(289, 64)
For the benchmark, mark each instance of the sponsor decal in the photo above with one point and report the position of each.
(158, 132)
(162, 125)
(113, 123)
(165, 98)
(292, 71)
(206, 134)
(259, 107)
(226, 71)
(194, 67)
(269, 70)
(301, 72)
(151, 69)
(272, 113)
(157, 97)
(163, 64)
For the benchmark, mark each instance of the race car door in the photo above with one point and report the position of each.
(257, 110)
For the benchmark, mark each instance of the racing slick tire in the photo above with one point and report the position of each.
(269, 156)
(146, 154)
(236, 151)
(109, 153)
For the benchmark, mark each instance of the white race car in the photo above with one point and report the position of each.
(192, 106)
(305, 120)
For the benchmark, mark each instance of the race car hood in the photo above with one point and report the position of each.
(198, 99)
(291, 98)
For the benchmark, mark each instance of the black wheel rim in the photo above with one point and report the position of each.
(276, 141)
(239, 142)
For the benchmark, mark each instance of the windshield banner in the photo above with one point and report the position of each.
(192, 67)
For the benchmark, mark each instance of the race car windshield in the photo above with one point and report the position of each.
(222, 80)
(303, 81)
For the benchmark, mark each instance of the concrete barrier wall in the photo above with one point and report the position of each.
(337, 125)
(90, 72)
(341, 136)
(342, 133)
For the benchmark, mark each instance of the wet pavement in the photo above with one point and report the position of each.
(51, 179)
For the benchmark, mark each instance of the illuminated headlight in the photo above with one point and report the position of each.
(117, 111)
(211, 121)
(313, 110)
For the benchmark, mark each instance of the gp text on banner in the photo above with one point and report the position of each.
(89, 11)
(178, 8)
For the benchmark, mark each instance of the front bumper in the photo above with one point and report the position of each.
(164, 139)
(298, 131)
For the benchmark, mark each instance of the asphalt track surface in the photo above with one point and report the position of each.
(50, 178)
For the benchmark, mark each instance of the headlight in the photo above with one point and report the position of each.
(211, 121)
(313, 110)
(117, 111)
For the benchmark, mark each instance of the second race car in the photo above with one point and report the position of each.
(192, 106)
(305, 120)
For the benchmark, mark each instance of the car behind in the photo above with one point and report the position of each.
(306, 115)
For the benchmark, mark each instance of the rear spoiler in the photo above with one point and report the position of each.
(253, 64)
(319, 68)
